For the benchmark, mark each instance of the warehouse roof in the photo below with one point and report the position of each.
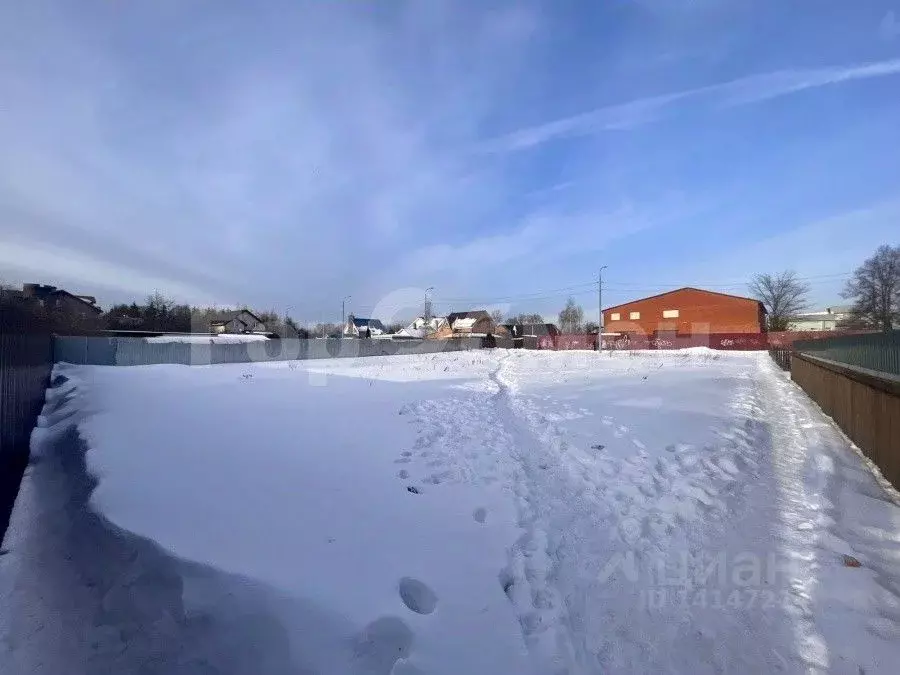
(686, 288)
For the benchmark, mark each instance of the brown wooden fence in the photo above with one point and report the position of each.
(864, 404)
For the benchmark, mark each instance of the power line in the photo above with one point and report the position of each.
(588, 288)
(521, 295)
(628, 287)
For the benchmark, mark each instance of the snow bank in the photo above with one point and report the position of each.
(293, 475)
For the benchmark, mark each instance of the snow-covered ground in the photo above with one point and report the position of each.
(472, 512)
(219, 339)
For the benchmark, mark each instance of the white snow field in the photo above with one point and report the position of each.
(494, 512)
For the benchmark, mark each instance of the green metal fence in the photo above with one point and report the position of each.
(875, 351)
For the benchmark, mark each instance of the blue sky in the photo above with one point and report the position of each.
(287, 154)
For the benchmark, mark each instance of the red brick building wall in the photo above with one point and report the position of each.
(698, 311)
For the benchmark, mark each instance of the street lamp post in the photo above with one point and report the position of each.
(427, 304)
(344, 314)
(287, 315)
(600, 309)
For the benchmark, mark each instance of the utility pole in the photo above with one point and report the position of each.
(600, 309)
(428, 304)
(344, 314)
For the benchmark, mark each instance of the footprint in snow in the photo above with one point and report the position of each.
(382, 643)
(403, 474)
(507, 583)
(480, 515)
(417, 596)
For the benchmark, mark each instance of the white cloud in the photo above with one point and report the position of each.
(742, 91)
(63, 266)
(260, 149)
(545, 240)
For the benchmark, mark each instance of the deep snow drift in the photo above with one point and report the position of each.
(503, 512)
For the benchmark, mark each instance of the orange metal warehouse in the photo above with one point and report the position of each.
(687, 311)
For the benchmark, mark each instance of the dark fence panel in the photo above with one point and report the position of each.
(26, 359)
(786, 339)
(782, 357)
(875, 351)
(123, 351)
(501, 342)
(864, 405)
(568, 341)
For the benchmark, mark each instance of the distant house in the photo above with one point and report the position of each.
(421, 328)
(465, 324)
(826, 319)
(236, 321)
(518, 330)
(59, 301)
(358, 327)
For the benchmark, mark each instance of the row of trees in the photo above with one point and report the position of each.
(571, 319)
(159, 313)
(873, 290)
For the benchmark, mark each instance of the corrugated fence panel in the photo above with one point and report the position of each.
(875, 351)
(26, 359)
(121, 351)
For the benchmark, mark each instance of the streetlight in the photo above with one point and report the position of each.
(344, 314)
(600, 308)
(287, 315)
(427, 305)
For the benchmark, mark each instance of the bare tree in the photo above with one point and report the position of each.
(875, 289)
(497, 317)
(571, 317)
(784, 296)
(326, 330)
(526, 318)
